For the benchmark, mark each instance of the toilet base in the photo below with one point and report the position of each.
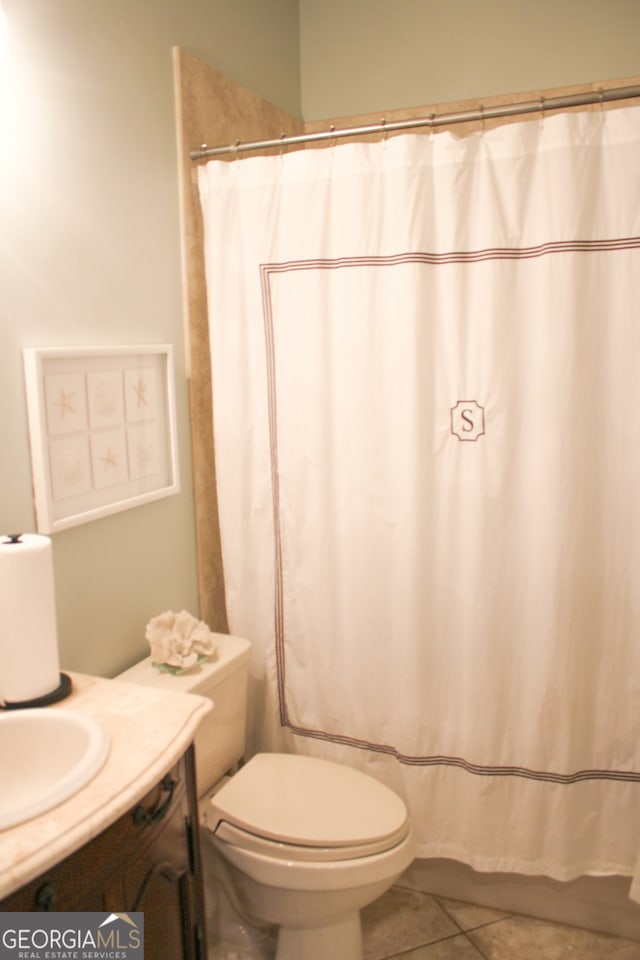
(341, 939)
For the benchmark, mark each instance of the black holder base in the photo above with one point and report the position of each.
(61, 692)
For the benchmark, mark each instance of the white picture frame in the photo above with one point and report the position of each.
(102, 430)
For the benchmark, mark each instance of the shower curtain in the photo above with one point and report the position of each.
(427, 424)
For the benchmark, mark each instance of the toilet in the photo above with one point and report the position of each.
(304, 843)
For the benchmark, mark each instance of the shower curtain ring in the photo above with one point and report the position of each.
(542, 109)
(482, 126)
(385, 132)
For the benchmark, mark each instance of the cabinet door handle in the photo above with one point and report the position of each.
(46, 897)
(142, 816)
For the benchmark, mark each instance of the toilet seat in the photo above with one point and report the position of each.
(291, 807)
(300, 853)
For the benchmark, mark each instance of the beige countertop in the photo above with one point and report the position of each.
(149, 729)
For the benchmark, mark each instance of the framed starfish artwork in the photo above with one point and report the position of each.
(102, 430)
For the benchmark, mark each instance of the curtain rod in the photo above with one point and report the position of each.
(434, 120)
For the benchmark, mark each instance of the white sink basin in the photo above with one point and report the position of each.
(46, 755)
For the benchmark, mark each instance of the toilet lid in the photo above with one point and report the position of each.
(303, 801)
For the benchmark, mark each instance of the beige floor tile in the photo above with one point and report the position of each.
(402, 920)
(523, 938)
(468, 916)
(455, 948)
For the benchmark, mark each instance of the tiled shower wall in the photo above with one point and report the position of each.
(211, 109)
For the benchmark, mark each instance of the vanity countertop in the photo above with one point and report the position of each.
(149, 728)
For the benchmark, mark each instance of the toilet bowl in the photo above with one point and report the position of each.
(297, 842)
(309, 843)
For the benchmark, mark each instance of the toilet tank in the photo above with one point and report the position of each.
(219, 740)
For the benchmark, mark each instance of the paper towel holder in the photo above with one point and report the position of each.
(61, 692)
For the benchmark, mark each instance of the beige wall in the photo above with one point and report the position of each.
(90, 254)
(363, 56)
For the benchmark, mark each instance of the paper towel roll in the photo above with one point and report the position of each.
(29, 666)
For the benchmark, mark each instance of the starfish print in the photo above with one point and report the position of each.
(65, 403)
(141, 393)
(109, 459)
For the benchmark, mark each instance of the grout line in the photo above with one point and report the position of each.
(446, 912)
(460, 932)
(478, 949)
(490, 923)
(431, 943)
(465, 933)
(479, 926)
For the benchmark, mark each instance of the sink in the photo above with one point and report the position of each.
(46, 755)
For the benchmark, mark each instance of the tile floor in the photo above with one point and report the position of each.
(409, 925)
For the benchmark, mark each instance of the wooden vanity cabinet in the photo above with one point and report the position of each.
(148, 860)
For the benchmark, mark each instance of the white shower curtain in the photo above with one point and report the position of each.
(426, 396)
